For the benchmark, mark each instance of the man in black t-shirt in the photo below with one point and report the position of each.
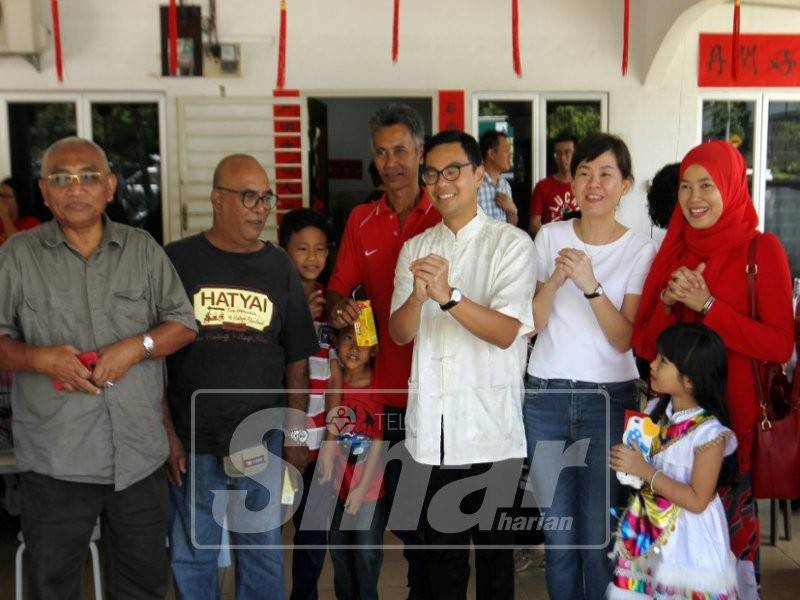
(255, 333)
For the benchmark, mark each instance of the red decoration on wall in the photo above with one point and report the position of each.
(281, 81)
(737, 10)
(173, 38)
(451, 109)
(288, 153)
(515, 37)
(763, 60)
(626, 33)
(57, 39)
(396, 31)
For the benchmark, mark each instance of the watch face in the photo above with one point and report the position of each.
(456, 295)
(299, 435)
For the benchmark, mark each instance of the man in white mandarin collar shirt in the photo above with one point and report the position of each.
(463, 293)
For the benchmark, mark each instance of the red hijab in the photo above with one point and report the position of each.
(686, 246)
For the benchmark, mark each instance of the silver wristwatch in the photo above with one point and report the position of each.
(299, 436)
(598, 291)
(455, 298)
(149, 346)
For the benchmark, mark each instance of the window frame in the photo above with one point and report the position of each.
(83, 123)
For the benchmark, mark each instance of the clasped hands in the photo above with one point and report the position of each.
(61, 362)
(576, 265)
(688, 287)
(431, 279)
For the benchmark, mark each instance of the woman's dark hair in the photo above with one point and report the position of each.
(663, 195)
(596, 144)
(699, 355)
(298, 219)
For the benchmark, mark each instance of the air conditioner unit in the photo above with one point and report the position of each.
(21, 30)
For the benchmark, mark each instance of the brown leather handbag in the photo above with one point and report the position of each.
(776, 439)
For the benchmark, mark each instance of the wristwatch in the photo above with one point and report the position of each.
(598, 291)
(455, 298)
(149, 345)
(299, 436)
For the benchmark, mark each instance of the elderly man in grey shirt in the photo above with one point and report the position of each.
(87, 307)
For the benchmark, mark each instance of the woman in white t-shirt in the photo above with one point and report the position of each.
(581, 374)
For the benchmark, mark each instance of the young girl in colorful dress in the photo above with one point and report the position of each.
(672, 540)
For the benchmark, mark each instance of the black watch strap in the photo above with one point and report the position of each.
(598, 291)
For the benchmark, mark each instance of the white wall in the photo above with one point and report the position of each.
(114, 45)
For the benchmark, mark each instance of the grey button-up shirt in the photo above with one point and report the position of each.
(51, 295)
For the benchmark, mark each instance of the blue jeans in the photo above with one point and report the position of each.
(559, 414)
(253, 519)
(356, 569)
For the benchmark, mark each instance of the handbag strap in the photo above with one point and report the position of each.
(751, 271)
(794, 395)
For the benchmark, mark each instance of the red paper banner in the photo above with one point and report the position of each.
(626, 35)
(57, 39)
(515, 38)
(451, 109)
(281, 78)
(395, 30)
(288, 154)
(765, 60)
(172, 26)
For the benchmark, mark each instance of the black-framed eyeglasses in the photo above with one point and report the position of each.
(450, 173)
(63, 180)
(251, 198)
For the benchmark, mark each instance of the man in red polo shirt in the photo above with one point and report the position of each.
(372, 240)
(552, 198)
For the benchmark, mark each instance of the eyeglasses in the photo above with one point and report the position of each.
(450, 173)
(63, 180)
(251, 198)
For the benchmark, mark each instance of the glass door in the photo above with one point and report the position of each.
(32, 127)
(515, 119)
(782, 176)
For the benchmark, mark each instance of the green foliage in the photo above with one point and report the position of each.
(578, 119)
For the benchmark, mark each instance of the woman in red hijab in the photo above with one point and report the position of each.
(699, 275)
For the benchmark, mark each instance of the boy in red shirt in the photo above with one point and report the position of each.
(356, 534)
(304, 235)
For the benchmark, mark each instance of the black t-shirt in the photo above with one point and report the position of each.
(253, 319)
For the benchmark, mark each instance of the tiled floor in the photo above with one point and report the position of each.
(780, 567)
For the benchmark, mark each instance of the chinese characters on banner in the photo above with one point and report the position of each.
(764, 61)
(451, 109)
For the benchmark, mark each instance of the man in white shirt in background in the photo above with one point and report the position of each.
(463, 292)
(494, 195)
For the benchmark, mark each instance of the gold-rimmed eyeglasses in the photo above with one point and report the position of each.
(63, 180)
